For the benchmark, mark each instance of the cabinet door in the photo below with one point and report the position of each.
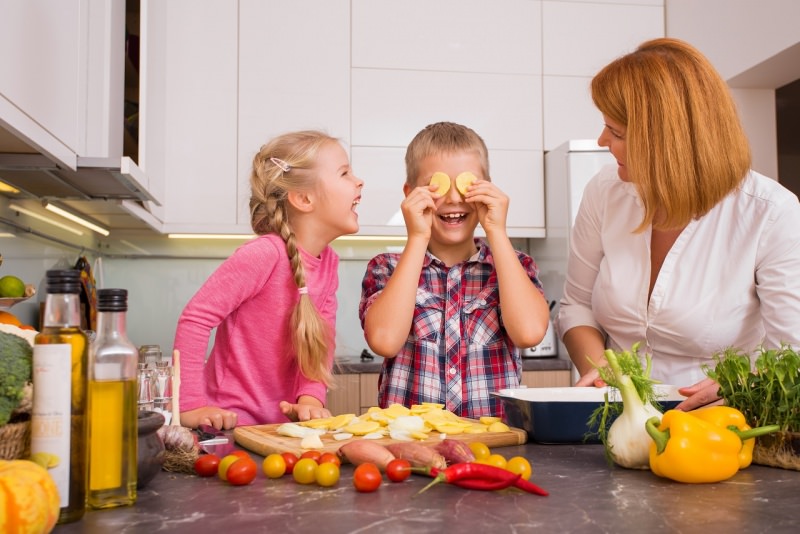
(344, 398)
(369, 390)
(41, 82)
(188, 112)
(294, 74)
(546, 379)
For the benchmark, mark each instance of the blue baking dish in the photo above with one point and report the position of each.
(561, 415)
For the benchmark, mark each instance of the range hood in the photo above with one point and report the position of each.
(94, 178)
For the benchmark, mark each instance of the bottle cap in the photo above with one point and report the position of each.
(112, 300)
(63, 281)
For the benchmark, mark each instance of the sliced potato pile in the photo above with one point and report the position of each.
(397, 422)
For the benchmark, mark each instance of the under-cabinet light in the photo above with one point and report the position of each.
(8, 188)
(44, 218)
(210, 236)
(58, 210)
(7, 234)
(134, 247)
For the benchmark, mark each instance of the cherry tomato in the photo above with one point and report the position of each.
(521, 466)
(225, 463)
(329, 458)
(314, 455)
(242, 472)
(398, 470)
(367, 477)
(327, 474)
(207, 465)
(304, 471)
(480, 450)
(497, 460)
(274, 466)
(290, 458)
(240, 453)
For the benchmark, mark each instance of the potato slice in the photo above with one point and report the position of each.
(499, 427)
(442, 181)
(463, 181)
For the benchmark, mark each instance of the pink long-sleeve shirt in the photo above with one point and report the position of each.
(249, 299)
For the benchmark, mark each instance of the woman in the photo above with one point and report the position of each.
(682, 247)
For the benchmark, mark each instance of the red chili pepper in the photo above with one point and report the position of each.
(529, 487)
(475, 476)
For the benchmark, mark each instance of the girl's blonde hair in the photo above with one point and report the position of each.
(686, 149)
(443, 138)
(269, 214)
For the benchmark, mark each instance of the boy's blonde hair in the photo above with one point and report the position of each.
(686, 149)
(443, 138)
(269, 185)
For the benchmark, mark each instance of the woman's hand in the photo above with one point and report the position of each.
(303, 412)
(209, 415)
(704, 393)
(591, 379)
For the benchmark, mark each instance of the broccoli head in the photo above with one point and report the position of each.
(16, 365)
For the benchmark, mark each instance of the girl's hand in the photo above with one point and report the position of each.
(491, 204)
(209, 415)
(418, 209)
(703, 393)
(303, 412)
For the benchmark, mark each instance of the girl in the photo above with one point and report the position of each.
(273, 302)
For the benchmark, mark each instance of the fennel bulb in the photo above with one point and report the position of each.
(626, 441)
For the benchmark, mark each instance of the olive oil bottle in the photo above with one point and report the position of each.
(60, 371)
(113, 409)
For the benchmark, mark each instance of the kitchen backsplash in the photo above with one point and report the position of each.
(160, 285)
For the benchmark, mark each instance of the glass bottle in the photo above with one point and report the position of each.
(145, 385)
(60, 375)
(113, 409)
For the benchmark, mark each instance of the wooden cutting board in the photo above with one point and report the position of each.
(264, 439)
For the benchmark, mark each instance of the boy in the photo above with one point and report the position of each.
(449, 312)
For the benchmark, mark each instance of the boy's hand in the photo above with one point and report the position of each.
(418, 209)
(491, 204)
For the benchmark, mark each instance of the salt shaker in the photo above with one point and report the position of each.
(145, 383)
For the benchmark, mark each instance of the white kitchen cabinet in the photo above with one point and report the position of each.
(294, 74)
(43, 82)
(189, 112)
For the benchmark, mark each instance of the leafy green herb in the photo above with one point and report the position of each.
(764, 386)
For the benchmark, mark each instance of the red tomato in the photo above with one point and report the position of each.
(290, 459)
(367, 477)
(206, 465)
(242, 472)
(240, 453)
(314, 455)
(329, 458)
(398, 470)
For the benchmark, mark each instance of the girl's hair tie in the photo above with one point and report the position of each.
(303, 290)
(285, 167)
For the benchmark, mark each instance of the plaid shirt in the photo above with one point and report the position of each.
(457, 351)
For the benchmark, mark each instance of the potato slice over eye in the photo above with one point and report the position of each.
(442, 181)
(463, 181)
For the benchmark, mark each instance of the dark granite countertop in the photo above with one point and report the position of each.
(356, 364)
(586, 495)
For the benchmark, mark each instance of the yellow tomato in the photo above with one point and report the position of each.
(521, 466)
(497, 460)
(327, 474)
(480, 450)
(304, 471)
(274, 466)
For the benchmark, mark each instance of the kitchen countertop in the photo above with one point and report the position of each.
(586, 495)
(355, 364)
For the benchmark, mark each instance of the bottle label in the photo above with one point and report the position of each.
(51, 413)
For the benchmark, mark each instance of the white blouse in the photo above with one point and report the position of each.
(731, 279)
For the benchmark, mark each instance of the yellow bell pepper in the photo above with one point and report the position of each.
(689, 449)
(725, 416)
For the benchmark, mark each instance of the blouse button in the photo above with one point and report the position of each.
(452, 370)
